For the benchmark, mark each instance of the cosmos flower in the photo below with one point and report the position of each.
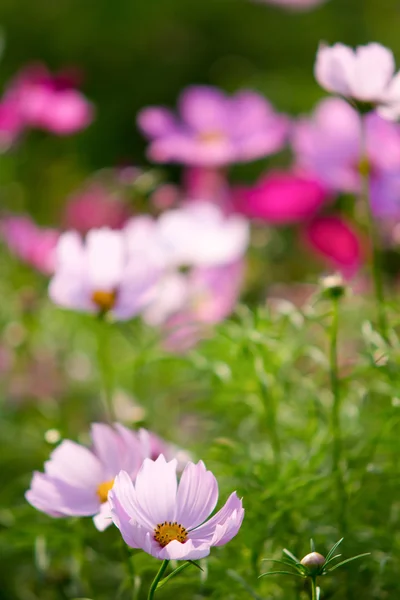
(76, 479)
(213, 129)
(50, 102)
(281, 198)
(32, 244)
(167, 520)
(94, 207)
(337, 242)
(365, 75)
(328, 146)
(102, 275)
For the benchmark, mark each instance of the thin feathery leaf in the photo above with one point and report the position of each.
(333, 549)
(344, 562)
(281, 573)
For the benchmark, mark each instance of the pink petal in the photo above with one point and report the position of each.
(224, 525)
(156, 488)
(197, 495)
(190, 550)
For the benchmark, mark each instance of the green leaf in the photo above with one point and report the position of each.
(312, 545)
(281, 573)
(291, 556)
(176, 572)
(344, 562)
(327, 562)
(333, 550)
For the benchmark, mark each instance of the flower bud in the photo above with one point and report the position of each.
(313, 562)
(333, 286)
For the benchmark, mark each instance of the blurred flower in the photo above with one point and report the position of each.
(102, 274)
(153, 446)
(77, 480)
(336, 241)
(281, 198)
(295, 4)
(201, 183)
(168, 520)
(202, 298)
(93, 207)
(365, 75)
(329, 146)
(213, 129)
(199, 234)
(50, 102)
(11, 124)
(32, 244)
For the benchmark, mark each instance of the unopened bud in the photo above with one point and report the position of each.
(333, 286)
(313, 562)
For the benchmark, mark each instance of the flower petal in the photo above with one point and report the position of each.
(103, 519)
(224, 525)
(197, 495)
(155, 487)
(190, 550)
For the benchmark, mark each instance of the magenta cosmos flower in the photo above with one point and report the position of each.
(50, 102)
(76, 480)
(337, 242)
(213, 129)
(102, 275)
(366, 74)
(282, 198)
(32, 244)
(328, 145)
(168, 520)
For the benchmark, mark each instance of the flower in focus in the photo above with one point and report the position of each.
(76, 480)
(32, 244)
(50, 102)
(295, 4)
(365, 75)
(168, 520)
(94, 207)
(337, 242)
(102, 274)
(281, 198)
(214, 129)
(328, 146)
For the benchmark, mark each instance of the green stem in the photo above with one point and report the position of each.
(373, 234)
(104, 363)
(314, 589)
(336, 422)
(157, 579)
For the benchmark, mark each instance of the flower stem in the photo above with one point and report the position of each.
(336, 424)
(314, 589)
(104, 364)
(157, 579)
(373, 234)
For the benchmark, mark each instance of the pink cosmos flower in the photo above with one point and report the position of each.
(168, 520)
(48, 102)
(11, 124)
(94, 207)
(32, 244)
(199, 234)
(208, 184)
(281, 198)
(295, 4)
(337, 242)
(328, 145)
(366, 74)
(102, 274)
(213, 129)
(77, 480)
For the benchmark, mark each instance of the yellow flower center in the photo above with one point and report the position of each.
(103, 489)
(364, 166)
(104, 300)
(211, 136)
(166, 532)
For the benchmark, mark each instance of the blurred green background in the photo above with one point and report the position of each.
(140, 52)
